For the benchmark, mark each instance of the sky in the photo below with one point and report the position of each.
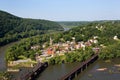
(63, 10)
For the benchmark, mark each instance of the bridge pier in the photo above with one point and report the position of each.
(86, 66)
(79, 71)
(76, 73)
(69, 78)
(80, 68)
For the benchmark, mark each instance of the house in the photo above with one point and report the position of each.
(82, 45)
(115, 38)
(66, 46)
(95, 37)
(50, 51)
(93, 41)
(96, 49)
(35, 47)
(88, 43)
(77, 46)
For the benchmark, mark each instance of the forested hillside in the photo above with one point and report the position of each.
(13, 28)
(104, 30)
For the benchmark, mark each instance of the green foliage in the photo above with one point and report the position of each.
(5, 76)
(56, 60)
(105, 30)
(23, 48)
(76, 56)
(79, 55)
(13, 28)
(110, 51)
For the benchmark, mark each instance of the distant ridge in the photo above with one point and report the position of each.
(13, 28)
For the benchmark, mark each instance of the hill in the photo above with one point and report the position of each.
(13, 28)
(72, 24)
(105, 31)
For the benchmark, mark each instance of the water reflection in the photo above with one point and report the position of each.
(54, 72)
(100, 70)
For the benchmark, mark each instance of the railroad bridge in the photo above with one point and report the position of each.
(36, 70)
(81, 67)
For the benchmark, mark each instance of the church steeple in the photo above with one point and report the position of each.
(51, 41)
(73, 39)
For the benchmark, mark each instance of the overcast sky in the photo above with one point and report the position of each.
(63, 10)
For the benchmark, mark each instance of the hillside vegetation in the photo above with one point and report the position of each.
(13, 28)
(104, 30)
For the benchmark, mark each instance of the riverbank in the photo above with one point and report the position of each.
(3, 64)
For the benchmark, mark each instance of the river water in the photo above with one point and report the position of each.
(93, 72)
(2, 56)
(55, 72)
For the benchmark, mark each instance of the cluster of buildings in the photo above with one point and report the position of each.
(61, 48)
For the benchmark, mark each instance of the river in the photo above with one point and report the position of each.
(94, 72)
(100, 70)
(2, 56)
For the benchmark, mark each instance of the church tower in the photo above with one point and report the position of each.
(51, 41)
